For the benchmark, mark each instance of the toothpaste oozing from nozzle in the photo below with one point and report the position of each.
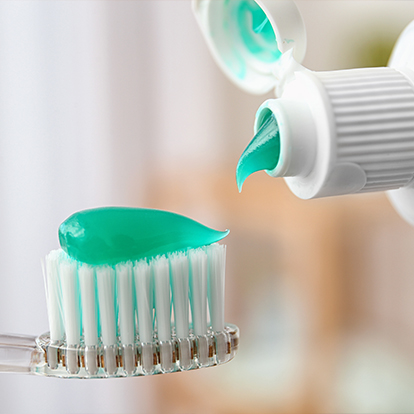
(262, 153)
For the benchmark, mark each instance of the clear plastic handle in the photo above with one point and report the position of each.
(18, 353)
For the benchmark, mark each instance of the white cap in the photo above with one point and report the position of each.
(247, 39)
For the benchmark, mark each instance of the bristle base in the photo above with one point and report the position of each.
(139, 359)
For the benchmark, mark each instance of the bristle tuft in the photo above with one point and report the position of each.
(168, 299)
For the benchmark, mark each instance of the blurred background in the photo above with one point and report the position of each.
(120, 103)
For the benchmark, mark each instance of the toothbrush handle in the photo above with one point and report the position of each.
(18, 340)
(18, 353)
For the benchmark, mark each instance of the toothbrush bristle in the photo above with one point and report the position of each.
(138, 318)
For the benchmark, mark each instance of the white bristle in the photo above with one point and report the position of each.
(144, 295)
(216, 275)
(161, 271)
(125, 303)
(53, 296)
(105, 276)
(70, 301)
(180, 290)
(87, 284)
(117, 305)
(198, 286)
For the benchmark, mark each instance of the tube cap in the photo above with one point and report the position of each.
(248, 39)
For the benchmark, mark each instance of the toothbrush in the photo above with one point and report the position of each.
(131, 292)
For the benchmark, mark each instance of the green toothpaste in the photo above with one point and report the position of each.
(115, 234)
(262, 153)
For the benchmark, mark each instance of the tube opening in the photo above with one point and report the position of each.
(262, 117)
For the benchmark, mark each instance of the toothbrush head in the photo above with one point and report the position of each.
(147, 316)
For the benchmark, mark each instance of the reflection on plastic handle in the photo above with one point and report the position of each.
(18, 353)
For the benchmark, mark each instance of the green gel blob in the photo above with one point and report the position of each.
(116, 234)
(262, 153)
(256, 31)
